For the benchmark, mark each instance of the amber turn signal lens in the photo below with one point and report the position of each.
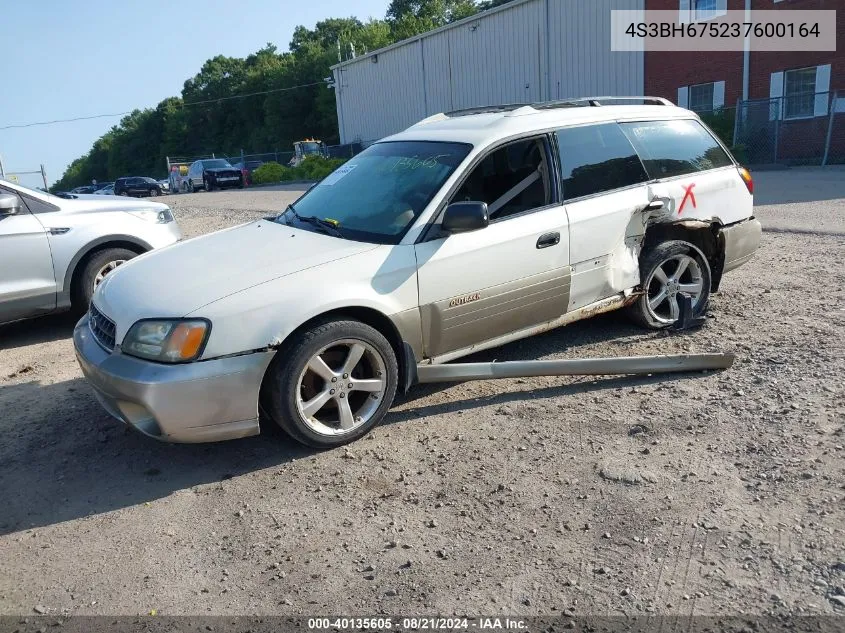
(747, 179)
(185, 341)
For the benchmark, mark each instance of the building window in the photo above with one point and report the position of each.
(701, 10)
(701, 98)
(704, 9)
(799, 93)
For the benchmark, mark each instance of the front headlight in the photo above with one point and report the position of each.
(153, 215)
(167, 340)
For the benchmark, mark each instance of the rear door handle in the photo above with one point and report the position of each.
(548, 239)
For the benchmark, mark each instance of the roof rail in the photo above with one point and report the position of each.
(505, 107)
(512, 109)
(597, 101)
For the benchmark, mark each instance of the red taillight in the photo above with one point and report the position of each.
(747, 179)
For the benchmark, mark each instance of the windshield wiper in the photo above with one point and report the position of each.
(314, 220)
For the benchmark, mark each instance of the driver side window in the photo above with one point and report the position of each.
(512, 179)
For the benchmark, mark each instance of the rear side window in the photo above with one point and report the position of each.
(675, 148)
(597, 158)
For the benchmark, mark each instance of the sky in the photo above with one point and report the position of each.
(89, 57)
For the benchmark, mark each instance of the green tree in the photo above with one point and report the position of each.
(263, 102)
(412, 17)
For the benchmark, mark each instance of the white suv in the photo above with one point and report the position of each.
(465, 231)
(54, 251)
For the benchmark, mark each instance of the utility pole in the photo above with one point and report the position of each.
(44, 176)
(2, 169)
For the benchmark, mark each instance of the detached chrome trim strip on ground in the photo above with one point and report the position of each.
(631, 365)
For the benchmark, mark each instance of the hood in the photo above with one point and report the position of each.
(87, 203)
(179, 279)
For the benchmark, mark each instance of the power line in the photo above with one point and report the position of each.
(184, 105)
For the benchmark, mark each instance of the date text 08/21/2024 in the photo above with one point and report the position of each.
(418, 624)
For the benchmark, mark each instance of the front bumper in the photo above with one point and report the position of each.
(205, 401)
(741, 241)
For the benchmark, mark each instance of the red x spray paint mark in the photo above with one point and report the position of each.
(688, 195)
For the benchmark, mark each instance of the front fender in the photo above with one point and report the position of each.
(383, 279)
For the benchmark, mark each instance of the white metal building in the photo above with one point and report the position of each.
(522, 52)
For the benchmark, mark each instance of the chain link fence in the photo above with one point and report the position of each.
(178, 165)
(801, 129)
(282, 157)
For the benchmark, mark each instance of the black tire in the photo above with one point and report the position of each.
(123, 193)
(82, 288)
(282, 382)
(656, 257)
(206, 184)
(154, 192)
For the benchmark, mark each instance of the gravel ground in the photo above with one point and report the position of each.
(696, 494)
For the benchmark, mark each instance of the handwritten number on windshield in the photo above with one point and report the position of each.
(415, 162)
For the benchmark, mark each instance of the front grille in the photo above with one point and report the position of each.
(102, 328)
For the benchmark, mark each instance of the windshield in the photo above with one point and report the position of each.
(376, 196)
(217, 163)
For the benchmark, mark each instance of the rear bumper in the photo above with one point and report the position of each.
(741, 241)
(205, 401)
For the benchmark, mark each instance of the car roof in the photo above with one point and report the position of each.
(481, 126)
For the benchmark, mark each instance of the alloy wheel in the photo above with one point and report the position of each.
(341, 387)
(677, 275)
(105, 270)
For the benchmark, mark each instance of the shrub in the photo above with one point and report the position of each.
(740, 153)
(722, 123)
(314, 168)
(268, 173)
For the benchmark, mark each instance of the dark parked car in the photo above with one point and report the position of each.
(247, 168)
(137, 187)
(84, 190)
(212, 173)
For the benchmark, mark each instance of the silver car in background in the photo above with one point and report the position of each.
(55, 251)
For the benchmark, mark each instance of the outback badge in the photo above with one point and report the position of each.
(459, 301)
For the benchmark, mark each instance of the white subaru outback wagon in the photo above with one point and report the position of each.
(463, 232)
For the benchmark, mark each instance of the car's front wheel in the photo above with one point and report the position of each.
(93, 272)
(669, 270)
(332, 384)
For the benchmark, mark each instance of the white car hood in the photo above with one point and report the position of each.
(179, 279)
(92, 203)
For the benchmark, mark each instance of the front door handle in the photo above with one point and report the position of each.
(548, 239)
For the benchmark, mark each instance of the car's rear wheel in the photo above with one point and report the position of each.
(95, 269)
(154, 192)
(332, 384)
(669, 270)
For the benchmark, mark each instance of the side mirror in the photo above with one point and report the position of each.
(461, 217)
(9, 204)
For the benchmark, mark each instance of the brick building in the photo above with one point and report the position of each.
(708, 80)
(787, 96)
